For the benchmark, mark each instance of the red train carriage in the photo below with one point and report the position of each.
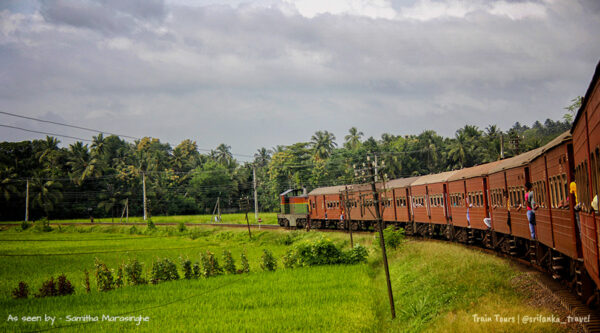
(326, 205)
(550, 177)
(365, 212)
(507, 181)
(428, 199)
(586, 153)
(468, 192)
(401, 198)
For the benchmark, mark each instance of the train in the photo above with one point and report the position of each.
(484, 205)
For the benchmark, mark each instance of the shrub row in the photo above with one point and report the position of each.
(49, 288)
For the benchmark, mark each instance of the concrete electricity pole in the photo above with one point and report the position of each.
(144, 186)
(371, 169)
(255, 195)
(27, 202)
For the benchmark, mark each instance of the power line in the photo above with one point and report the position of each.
(67, 125)
(47, 133)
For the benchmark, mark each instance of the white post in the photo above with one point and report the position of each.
(255, 196)
(144, 186)
(27, 202)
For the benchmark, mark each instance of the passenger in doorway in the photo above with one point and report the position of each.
(531, 208)
(469, 205)
(577, 207)
(488, 222)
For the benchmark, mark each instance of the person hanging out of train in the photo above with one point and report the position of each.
(469, 205)
(531, 208)
(577, 204)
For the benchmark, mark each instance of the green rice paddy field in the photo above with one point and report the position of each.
(437, 286)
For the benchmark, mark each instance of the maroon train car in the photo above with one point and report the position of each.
(468, 192)
(325, 205)
(400, 192)
(586, 155)
(550, 177)
(429, 198)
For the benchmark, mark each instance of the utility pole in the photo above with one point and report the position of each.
(255, 195)
(501, 146)
(371, 176)
(27, 202)
(348, 204)
(245, 205)
(376, 171)
(144, 186)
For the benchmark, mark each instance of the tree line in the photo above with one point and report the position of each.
(103, 178)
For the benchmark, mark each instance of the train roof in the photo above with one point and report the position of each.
(472, 172)
(588, 95)
(328, 190)
(401, 182)
(435, 178)
(529, 156)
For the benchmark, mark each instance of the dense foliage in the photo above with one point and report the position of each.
(104, 178)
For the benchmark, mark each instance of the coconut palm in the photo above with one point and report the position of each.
(322, 143)
(7, 183)
(83, 165)
(223, 153)
(353, 138)
(44, 193)
(262, 157)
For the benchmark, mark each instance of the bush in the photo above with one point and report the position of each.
(323, 252)
(245, 264)
(151, 225)
(22, 291)
(43, 225)
(186, 264)
(133, 270)
(393, 238)
(197, 270)
(104, 277)
(48, 289)
(289, 238)
(320, 252)
(210, 265)
(133, 230)
(25, 225)
(290, 259)
(119, 281)
(268, 261)
(64, 286)
(181, 227)
(357, 255)
(164, 270)
(86, 281)
(228, 263)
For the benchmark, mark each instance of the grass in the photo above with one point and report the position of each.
(238, 218)
(437, 286)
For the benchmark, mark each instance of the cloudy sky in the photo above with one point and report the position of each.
(254, 74)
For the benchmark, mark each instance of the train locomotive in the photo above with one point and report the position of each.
(484, 205)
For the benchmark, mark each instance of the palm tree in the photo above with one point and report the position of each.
(353, 139)
(82, 164)
(262, 157)
(322, 143)
(48, 154)
(98, 145)
(44, 193)
(223, 153)
(7, 187)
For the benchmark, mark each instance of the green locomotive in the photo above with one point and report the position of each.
(294, 208)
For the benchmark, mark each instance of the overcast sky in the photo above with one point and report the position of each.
(259, 74)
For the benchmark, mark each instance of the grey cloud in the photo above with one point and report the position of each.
(254, 76)
(105, 16)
